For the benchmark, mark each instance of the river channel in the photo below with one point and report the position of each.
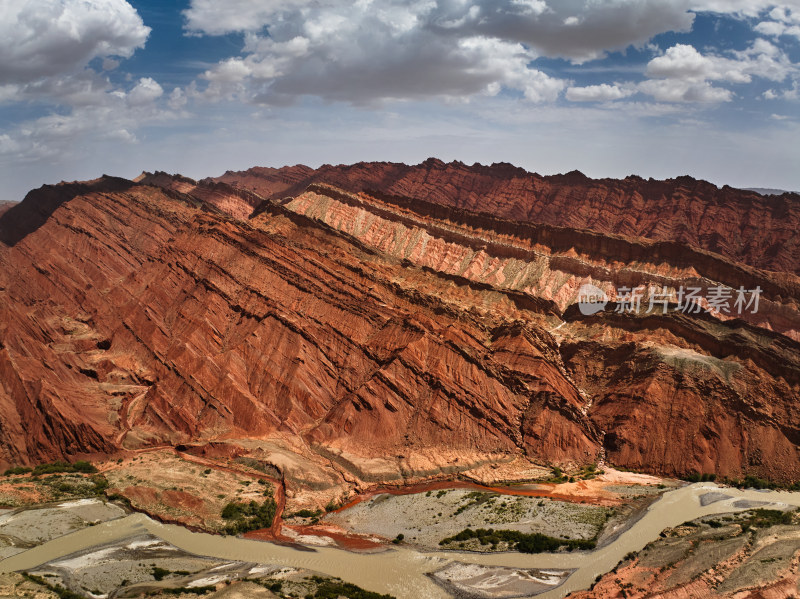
(402, 571)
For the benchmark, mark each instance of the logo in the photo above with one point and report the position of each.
(591, 299)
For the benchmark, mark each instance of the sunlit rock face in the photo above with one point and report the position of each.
(389, 323)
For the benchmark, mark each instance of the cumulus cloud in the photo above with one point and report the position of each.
(579, 30)
(677, 90)
(146, 91)
(213, 17)
(598, 93)
(683, 74)
(375, 52)
(46, 48)
(780, 21)
(114, 115)
(747, 8)
(792, 93)
(41, 38)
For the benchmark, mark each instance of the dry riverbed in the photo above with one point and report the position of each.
(595, 510)
(144, 565)
(425, 519)
(23, 528)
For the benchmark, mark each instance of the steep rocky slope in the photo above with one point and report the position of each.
(134, 317)
(375, 338)
(738, 224)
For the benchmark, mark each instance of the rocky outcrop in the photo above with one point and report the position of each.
(543, 261)
(374, 337)
(738, 224)
(138, 317)
(234, 201)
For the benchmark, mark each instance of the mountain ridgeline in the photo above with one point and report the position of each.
(386, 323)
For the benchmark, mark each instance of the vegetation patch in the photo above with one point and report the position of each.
(318, 587)
(182, 590)
(58, 467)
(244, 517)
(75, 486)
(748, 482)
(335, 588)
(558, 476)
(765, 518)
(518, 541)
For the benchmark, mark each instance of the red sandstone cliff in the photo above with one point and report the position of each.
(379, 336)
(741, 225)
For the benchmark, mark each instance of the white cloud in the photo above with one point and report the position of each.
(680, 61)
(579, 30)
(792, 93)
(582, 30)
(373, 52)
(177, 99)
(115, 116)
(213, 17)
(683, 74)
(747, 8)
(598, 93)
(81, 88)
(678, 90)
(146, 91)
(783, 22)
(46, 48)
(532, 7)
(377, 50)
(41, 38)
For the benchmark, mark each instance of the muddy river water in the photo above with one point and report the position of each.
(402, 571)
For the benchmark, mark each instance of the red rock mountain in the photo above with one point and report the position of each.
(358, 336)
(741, 225)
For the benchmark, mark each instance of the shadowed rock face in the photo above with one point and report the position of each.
(379, 337)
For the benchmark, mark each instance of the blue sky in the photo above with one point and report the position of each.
(659, 89)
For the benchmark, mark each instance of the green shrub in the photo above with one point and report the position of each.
(60, 466)
(304, 513)
(17, 470)
(244, 517)
(181, 590)
(333, 589)
(697, 477)
(519, 541)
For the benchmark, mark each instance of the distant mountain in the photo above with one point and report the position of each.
(766, 191)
